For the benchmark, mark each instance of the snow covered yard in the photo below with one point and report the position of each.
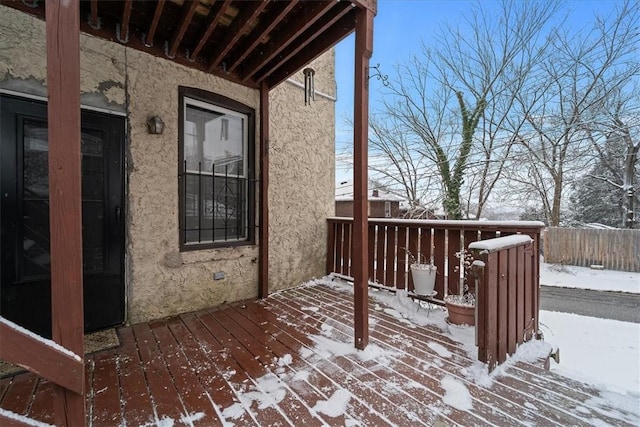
(290, 360)
(603, 352)
(569, 276)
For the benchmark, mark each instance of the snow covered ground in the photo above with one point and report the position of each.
(568, 276)
(602, 352)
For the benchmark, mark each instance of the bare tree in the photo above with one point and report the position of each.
(397, 165)
(618, 155)
(574, 82)
(440, 99)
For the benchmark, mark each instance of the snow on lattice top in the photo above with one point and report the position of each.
(500, 243)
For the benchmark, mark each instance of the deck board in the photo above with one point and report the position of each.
(489, 401)
(278, 361)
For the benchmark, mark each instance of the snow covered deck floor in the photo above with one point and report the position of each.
(289, 360)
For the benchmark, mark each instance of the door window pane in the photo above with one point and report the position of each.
(35, 200)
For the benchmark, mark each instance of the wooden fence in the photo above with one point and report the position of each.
(613, 249)
(507, 297)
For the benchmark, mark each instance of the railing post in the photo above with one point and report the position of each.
(331, 247)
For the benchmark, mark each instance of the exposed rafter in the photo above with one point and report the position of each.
(93, 17)
(148, 40)
(248, 42)
(259, 33)
(238, 27)
(281, 40)
(214, 20)
(188, 9)
(321, 27)
(123, 34)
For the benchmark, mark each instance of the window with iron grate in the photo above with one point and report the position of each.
(216, 171)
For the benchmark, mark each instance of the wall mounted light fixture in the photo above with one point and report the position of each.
(155, 125)
(309, 85)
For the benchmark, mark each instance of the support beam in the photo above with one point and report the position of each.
(148, 39)
(282, 39)
(264, 28)
(320, 30)
(93, 18)
(240, 24)
(364, 49)
(313, 50)
(188, 9)
(263, 241)
(65, 205)
(214, 20)
(123, 34)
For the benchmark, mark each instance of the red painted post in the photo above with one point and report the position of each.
(363, 51)
(65, 203)
(263, 241)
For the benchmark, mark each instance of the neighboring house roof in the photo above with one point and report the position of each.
(344, 192)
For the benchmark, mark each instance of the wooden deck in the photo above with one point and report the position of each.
(289, 360)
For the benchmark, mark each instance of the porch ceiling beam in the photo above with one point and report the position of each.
(283, 39)
(188, 10)
(371, 5)
(248, 13)
(266, 25)
(148, 39)
(263, 242)
(364, 50)
(65, 194)
(320, 28)
(93, 18)
(123, 34)
(213, 23)
(316, 48)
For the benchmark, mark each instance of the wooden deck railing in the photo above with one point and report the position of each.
(46, 358)
(507, 293)
(507, 296)
(391, 241)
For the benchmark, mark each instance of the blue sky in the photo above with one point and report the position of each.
(399, 29)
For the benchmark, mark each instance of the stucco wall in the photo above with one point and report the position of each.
(301, 192)
(160, 279)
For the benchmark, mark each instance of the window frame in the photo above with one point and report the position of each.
(216, 101)
(387, 209)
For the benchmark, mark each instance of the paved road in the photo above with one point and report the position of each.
(607, 305)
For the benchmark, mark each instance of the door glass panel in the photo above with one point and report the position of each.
(35, 200)
(93, 221)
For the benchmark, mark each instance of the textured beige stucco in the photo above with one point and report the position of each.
(301, 192)
(161, 280)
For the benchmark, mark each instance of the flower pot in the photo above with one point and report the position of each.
(461, 314)
(424, 278)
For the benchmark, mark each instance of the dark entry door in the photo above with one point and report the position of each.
(25, 289)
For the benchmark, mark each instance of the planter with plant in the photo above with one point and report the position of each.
(423, 274)
(462, 306)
